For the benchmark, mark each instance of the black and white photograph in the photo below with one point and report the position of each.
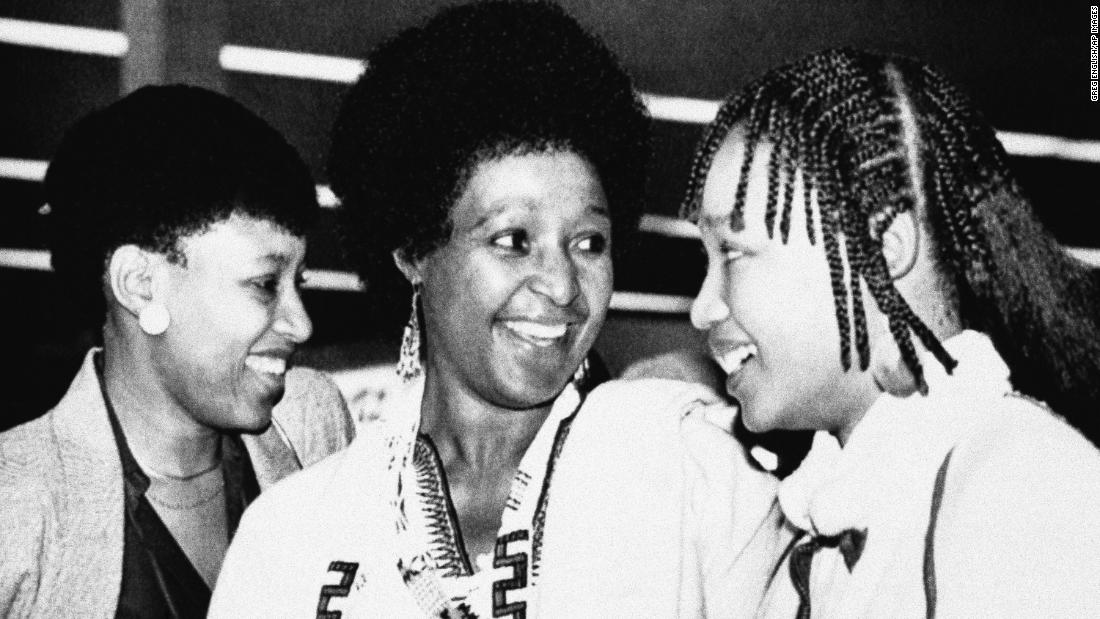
(467, 309)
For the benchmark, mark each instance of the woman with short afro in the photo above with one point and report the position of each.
(490, 163)
(177, 223)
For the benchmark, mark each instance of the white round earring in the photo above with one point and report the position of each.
(154, 319)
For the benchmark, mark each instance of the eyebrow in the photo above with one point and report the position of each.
(493, 211)
(278, 258)
(599, 210)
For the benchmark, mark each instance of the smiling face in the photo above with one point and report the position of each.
(236, 317)
(767, 307)
(513, 301)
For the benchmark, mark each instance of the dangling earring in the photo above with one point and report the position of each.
(154, 319)
(580, 377)
(408, 365)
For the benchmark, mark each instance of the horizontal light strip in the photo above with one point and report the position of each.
(79, 39)
(289, 64)
(321, 279)
(1088, 255)
(316, 279)
(23, 169)
(27, 259)
(35, 170)
(1033, 145)
(678, 228)
(680, 109)
(668, 226)
(648, 302)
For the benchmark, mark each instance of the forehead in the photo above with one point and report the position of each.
(554, 183)
(244, 239)
(724, 176)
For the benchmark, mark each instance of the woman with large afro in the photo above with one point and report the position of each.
(490, 162)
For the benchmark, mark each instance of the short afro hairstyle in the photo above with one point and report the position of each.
(475, 83)
(162, 163)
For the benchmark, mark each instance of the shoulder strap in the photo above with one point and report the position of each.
(929, 539)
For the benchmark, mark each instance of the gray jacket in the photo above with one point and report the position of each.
(61, 491)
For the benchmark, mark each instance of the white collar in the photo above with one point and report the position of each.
(883, 464)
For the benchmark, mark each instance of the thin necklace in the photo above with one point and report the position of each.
(217, 490)
(151, 472)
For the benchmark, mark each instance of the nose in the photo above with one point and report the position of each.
(709, 306)
(555, 276)
(292, 321)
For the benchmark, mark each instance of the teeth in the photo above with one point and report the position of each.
(267, 365)
(536, 330)
(732, 360)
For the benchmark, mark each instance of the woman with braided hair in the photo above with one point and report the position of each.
(861, 196)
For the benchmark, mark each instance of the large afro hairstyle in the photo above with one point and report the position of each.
(162, 163)
(475, 83)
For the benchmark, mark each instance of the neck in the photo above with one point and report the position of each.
(467, 429)
(163, 437)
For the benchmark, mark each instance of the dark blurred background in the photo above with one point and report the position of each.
(1026, 65)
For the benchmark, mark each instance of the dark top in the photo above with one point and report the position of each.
(158, 580)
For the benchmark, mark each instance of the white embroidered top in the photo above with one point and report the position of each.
(640, 508)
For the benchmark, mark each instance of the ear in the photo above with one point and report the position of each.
(411, 269)
(131, 277)
(901, 244)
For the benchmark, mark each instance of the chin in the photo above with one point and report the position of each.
(254, 417)
(757, 422)
(254, 424)
(531, 393)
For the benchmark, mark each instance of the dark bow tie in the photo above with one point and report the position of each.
(850, 542)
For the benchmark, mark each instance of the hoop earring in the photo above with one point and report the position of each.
(154, 319)
(408, 364)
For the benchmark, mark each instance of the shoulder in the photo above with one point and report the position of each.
(299, 493)
(25, 464)
(282, 538)
(1022, 493)
(1020, 439)
(651, 395)
(718, 470)
(27, 450)
(314, 414)
(26, 510)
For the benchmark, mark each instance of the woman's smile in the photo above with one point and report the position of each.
(514, 300)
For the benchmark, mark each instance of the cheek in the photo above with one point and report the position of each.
(597, 282)
(223, 323)
(785, 302)
(460, 298)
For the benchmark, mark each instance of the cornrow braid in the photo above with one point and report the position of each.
(838, 122)
(875, 136)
